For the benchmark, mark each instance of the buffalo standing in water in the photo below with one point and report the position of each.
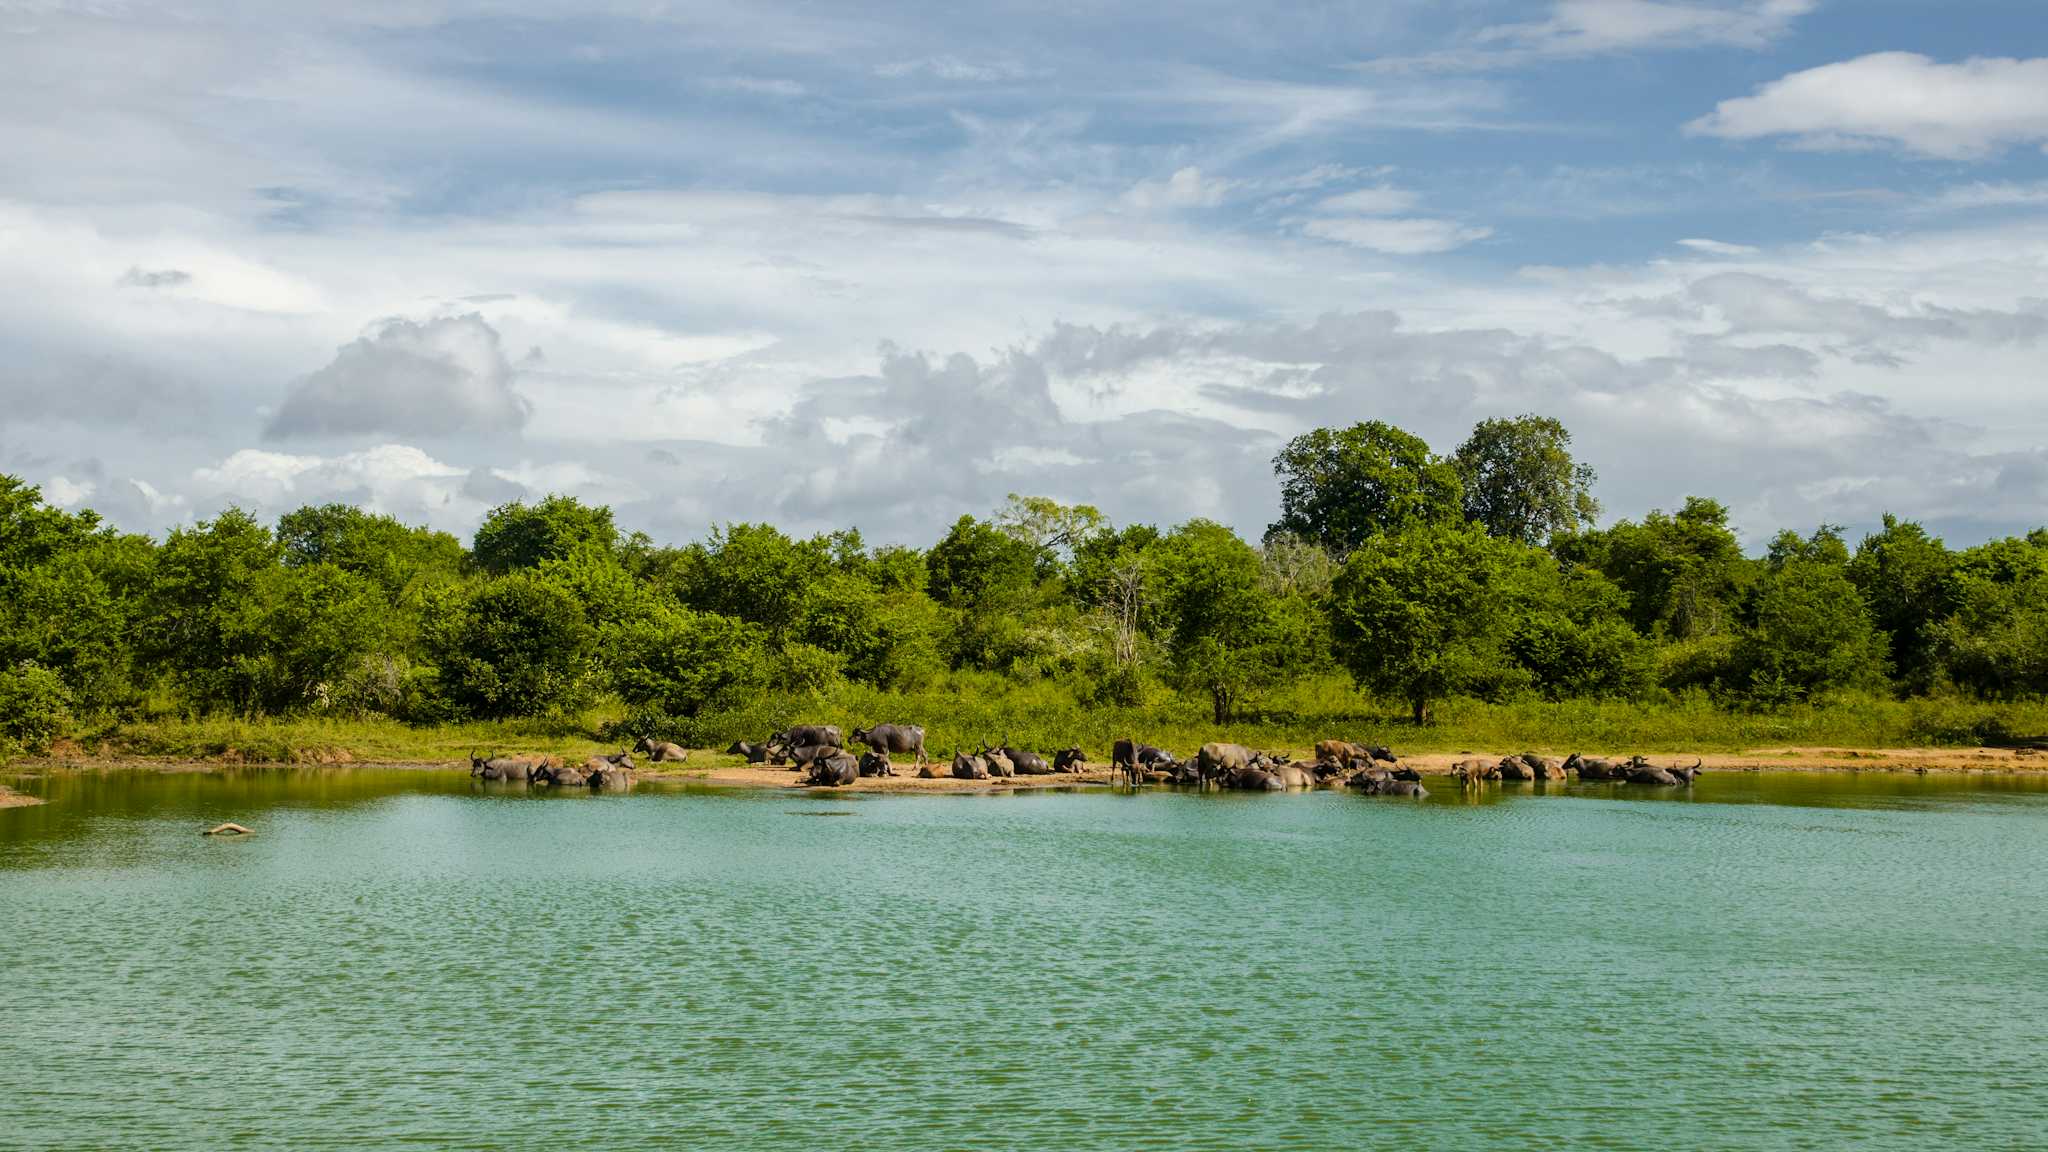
(496, 767)
(1370, 784)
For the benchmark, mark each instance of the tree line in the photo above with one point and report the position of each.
(1425, 577)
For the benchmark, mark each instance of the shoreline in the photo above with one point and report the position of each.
(722, 770)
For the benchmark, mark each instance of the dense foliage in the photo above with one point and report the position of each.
(1428, 579)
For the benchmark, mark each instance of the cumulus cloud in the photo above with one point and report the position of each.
(407, 378)
(1899, 100)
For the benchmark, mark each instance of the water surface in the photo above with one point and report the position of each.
(395, 958)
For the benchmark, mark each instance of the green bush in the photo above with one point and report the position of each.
(35, 709)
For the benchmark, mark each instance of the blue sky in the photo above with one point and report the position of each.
(882, 264)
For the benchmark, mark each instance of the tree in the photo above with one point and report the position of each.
(1052, 530)
(680, 662)
(1995, 642)
(1904, 576)
(1229, 637)
(515, 646)
(202, 622)
(1422, 615)
(755, 573)
(1683, 573)
(366, 544)
(1805, 627)
(515, 535)
(1339, 487)
(1520, 481)
(979, 566)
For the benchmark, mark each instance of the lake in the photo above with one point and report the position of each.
(408, 958)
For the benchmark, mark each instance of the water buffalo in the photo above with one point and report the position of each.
(874, 763)
(1512, 768)
(566, 776)
(601, 772)
(1688, 775)
(966, 767)
(1293, 775)
(832, 770)
(999, 765)
(661, 751)
(1372, 786)
(1341, 751)
(1641, 771)
(799, 735)
(808, 754)
(496, 767)
(1595, 769)
(756, 752)
(893, 738)
(1027, 763)
(1543, 767)
(1247, 779)
(1380, 752)
(1214, 759)
(1069, 760)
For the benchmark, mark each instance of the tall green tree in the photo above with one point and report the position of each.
(1805, 628)
(519, 645)
(1684, 573)
(519, 535)
(1423, 615)
(1520, 480)
(1995, 641)
(1230, 637)
(1904, 576)
(1340, 487)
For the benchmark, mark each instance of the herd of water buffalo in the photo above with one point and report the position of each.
(820, 752)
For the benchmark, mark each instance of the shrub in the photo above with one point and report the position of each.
(35, 708)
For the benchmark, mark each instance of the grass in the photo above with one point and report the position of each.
(969, 708)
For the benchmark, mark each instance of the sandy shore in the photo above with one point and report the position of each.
(717, 769)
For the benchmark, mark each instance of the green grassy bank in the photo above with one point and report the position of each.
(971, 708)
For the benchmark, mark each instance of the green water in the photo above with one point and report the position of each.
(410, 959)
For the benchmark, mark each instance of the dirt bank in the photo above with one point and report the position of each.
(716, 768)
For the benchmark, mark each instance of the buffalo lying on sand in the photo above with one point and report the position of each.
(966, 767)
(661, 751)
(876, 764)
(1069, 760)
(834, 769)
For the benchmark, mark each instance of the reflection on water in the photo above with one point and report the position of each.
(1764, 961)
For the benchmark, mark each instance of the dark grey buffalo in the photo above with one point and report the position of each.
(874, 763)
(1590, 769)
(1027, 763)
(834, 769)
(1385, 785)
(898, 738)
(1069, 760)
(966, 767)
(1215, 759)
(802, 734)
(496, 767)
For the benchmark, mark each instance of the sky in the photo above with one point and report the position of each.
(880, 265)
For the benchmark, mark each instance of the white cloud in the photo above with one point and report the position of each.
(395, 479)
(1186, 188)
(440, 377)
(1381, 201)
(65, 492)
(1718, 247)
(2001, 194)
(1398, 237)
(1600, 27)
(1900, 100)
